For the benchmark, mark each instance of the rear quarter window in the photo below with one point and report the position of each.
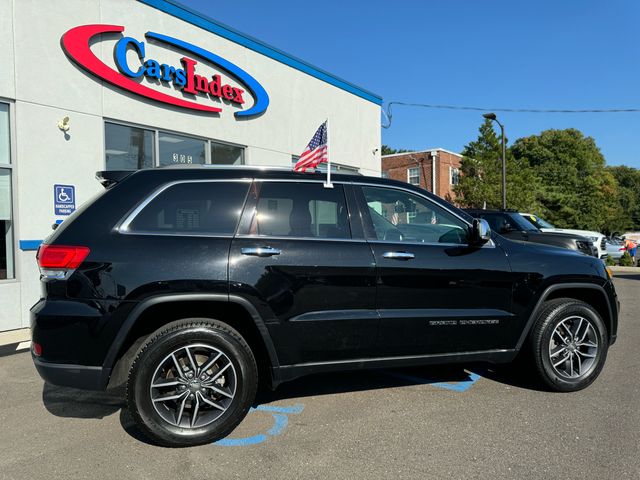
(192, 208)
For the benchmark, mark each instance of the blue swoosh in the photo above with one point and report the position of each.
(259, 93)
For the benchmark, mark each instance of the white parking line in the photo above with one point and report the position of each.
(23, 345)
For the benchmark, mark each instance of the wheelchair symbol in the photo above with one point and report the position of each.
(63, 197)
(280, 422)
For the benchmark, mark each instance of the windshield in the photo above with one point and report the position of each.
(537, 221)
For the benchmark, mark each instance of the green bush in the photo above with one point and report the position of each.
(625, 260)
(610, 261)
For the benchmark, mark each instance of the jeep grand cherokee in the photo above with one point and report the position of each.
(191, 284)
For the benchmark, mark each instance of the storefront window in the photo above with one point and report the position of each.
(128, 148)
(178, 149)
(6, 223)
(222, 154)
(4, 134)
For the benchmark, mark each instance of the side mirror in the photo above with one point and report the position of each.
(480, 231)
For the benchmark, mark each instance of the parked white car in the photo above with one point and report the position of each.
(598, 239)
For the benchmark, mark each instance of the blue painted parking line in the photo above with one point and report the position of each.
(280, 421)
(461, 386)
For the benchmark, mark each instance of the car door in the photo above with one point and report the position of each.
(309, 274)
(436, 293)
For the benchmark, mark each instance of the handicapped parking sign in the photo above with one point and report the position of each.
(64, 199)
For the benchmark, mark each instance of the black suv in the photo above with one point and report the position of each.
(512, 225)
(191, 284)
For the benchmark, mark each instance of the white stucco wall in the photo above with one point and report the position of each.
(44, 86)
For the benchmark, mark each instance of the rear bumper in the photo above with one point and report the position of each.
(76, 376)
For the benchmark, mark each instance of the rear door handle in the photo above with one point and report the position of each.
(260, 251)
(398, 255)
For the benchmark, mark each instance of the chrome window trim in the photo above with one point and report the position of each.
(124, 225)
(313, 239)
(489, 244)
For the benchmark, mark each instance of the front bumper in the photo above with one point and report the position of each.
(68, 375)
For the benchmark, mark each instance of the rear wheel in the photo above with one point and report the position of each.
(569, 344)
(192, 382)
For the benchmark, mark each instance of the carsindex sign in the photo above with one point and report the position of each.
(198, 92)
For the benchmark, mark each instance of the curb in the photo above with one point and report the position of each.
(619, 269)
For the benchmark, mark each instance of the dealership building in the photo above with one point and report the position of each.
(90, 85)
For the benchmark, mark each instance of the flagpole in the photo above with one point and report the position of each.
(328, 183)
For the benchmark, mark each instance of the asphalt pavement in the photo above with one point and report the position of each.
(460, 422)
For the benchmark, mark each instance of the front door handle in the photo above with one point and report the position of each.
(398, 255)
(260, 251)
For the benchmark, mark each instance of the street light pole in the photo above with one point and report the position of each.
(492, 116)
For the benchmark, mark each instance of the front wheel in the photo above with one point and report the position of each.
(569, 344)
(192, 382)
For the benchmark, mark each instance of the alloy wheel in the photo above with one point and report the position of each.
(573, 347)
(193, 386)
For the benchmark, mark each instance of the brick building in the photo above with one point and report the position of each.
(423, 167)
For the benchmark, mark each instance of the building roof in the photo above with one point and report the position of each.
(196, 18)
(428, 150)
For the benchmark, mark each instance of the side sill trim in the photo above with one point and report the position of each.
(290, 372)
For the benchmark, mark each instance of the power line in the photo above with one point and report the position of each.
(389, 114)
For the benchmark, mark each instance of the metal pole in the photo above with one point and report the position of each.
(327, 183)
(504, 169)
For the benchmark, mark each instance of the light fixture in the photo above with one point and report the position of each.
(64, 124)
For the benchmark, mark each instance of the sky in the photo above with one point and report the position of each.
(542, 54)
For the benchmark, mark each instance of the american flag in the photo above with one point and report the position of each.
(316, 151)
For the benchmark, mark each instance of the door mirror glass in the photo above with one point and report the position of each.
(481, 231)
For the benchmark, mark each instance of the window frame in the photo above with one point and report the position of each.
(156, 142)
(409, 169)
(12, 167)
(451, 170)
(123, 226)
(368, 222)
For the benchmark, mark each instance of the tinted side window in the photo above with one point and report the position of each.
(194, 208)
(307, 210)
(400, 216)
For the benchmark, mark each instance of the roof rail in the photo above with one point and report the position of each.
(225, 167)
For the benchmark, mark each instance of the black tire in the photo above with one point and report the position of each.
(551, 315)
(158, 348)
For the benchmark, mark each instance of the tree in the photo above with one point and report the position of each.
(628, 179)
(575, 189)
(386, 150)
(480, 182)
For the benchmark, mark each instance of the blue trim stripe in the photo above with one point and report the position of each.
(196, 18)
(29, 244)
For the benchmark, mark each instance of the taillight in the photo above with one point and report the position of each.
(55, 261)
(36, 348)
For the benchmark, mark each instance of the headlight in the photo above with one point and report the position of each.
(609, 273)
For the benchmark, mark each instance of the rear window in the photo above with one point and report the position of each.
(204, 208)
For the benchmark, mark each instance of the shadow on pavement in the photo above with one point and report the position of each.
(354, 381)
(626, 276)
(71, 402)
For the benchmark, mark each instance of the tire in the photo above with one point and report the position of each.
(569, 330)
(191, 406)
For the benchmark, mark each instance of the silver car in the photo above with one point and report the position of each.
(615, 248)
